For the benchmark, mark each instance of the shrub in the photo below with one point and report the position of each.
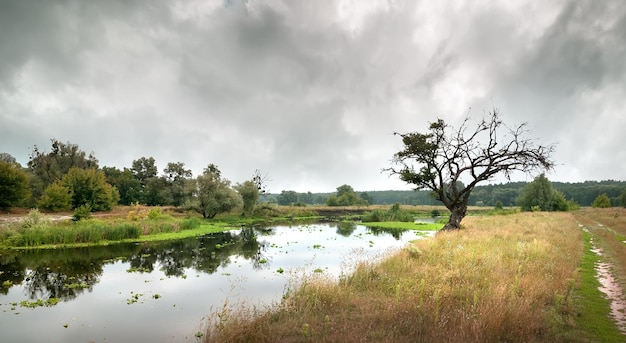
(435, 213)
(155, 213)
(498, 206)
(35, 219)
(56, 197)
(374, 216)
(82, 212)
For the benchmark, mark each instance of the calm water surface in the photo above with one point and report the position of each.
(162, 292)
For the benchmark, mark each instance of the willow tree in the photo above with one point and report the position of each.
(451, 162)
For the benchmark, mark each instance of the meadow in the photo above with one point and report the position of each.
(524, 277)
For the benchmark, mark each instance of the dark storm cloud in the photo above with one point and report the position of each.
(309, 92)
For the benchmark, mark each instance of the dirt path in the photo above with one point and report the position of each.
(609, 284)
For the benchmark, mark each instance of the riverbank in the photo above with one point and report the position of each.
(36, 230)
(514, 278)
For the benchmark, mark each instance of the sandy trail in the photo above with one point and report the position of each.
(609, 285)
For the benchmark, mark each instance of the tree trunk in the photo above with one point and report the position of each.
(457, 213)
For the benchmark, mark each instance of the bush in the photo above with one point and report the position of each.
(56, 197)
(36, 219)
(82, 212)
(155, 213)
(498, 206)
(374, 216)
(435, 213)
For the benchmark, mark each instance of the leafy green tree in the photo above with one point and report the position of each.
(344, 189)
(51, 166)
(177, 177)
(540, 195)
(144, 168)
(345, 196)
(127, 185)
(89, 187)
(624, 198)
(332, 200)
(249, 193)
(537, 194)
(439, 159)
(306, 198)
(366, 198)
(602, 201)
(213, 194)
(56, 197)
(156, 192)
(13, 185)
(287, 198)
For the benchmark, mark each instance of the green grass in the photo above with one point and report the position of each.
(403, 226)
(61, 236)
(593, 308)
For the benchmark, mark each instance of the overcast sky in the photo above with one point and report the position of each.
(310, 92)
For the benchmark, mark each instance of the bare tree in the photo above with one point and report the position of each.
(443, 159)
(260, 181)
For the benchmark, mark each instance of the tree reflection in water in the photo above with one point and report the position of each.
(67, 273)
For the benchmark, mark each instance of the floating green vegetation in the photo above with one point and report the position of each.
(220, 246)
(138, 270)
(280, 270)
(39, 303)
(317, 246)
(76, 285)
(134, 298)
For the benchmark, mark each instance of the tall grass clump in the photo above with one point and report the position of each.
(502, 279)
(190, 223)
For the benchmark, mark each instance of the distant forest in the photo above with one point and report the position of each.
(583, 193)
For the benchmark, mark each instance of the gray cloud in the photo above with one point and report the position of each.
(310, 92)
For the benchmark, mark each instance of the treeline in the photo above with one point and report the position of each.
(507, 194)
(66, 178)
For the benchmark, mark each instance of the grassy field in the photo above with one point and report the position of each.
(526, 277)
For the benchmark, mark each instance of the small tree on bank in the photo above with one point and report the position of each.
(440, 159)
(213, 194)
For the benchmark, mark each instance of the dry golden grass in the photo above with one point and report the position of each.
(502, 279)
